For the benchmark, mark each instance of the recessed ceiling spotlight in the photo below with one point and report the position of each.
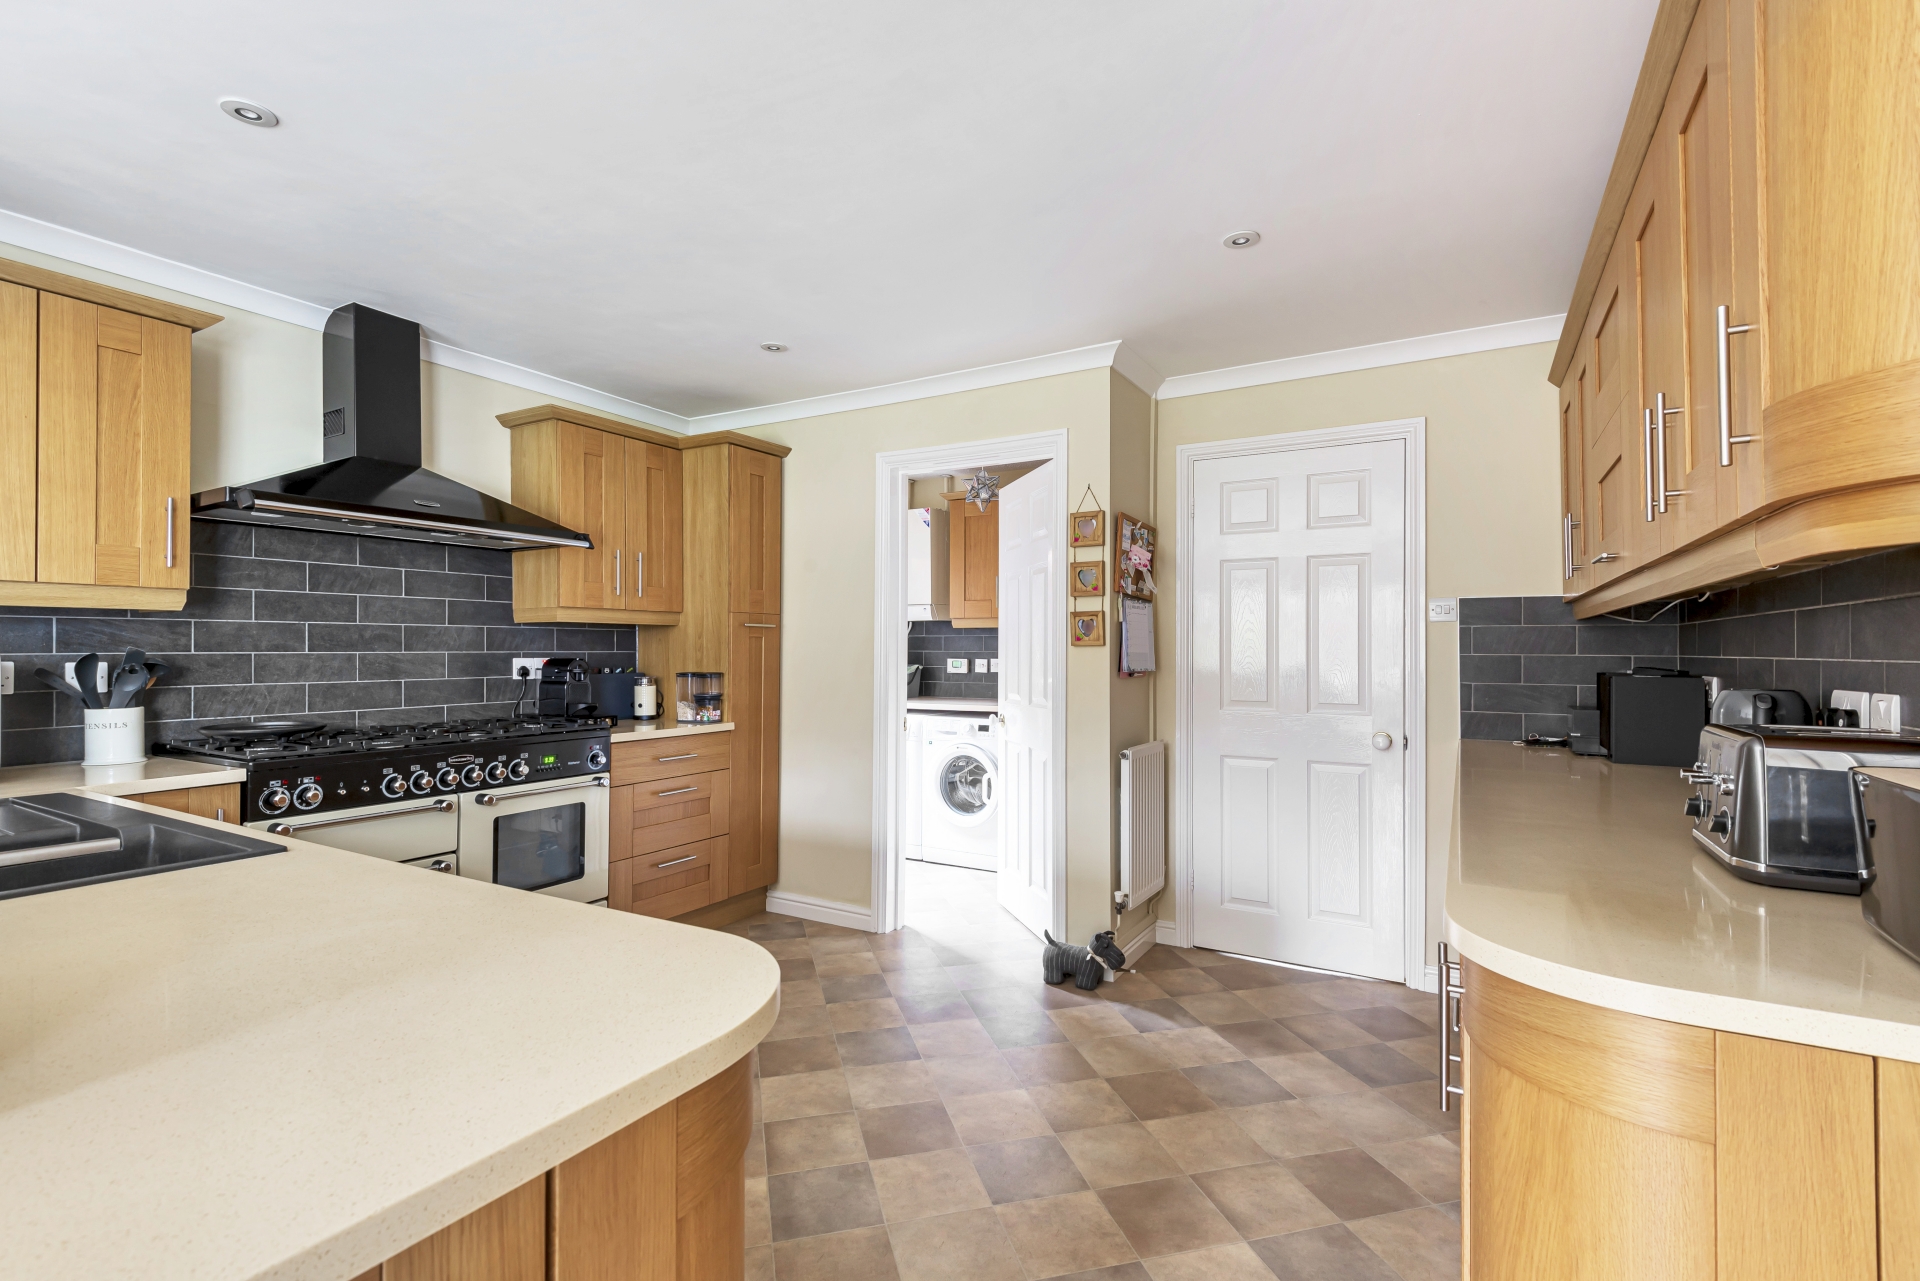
(249, 113)
(1242, 240)
(773, 346)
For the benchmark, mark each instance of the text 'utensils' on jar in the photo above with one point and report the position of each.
(701, 697)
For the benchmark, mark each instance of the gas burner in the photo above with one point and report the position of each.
(269, 741)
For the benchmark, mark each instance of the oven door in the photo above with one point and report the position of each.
(550, 838)
(419, 831)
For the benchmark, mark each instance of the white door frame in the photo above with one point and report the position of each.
(892, 475)
(1413, 431)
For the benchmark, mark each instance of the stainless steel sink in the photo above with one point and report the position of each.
(58, 841)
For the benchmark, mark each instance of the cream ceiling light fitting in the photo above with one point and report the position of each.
(1242, 240)
(249, 113)
(773, 346)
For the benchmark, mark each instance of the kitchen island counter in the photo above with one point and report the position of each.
(1581, 878)
(301, 1064)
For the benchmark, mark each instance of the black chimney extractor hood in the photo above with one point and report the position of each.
(372, 482)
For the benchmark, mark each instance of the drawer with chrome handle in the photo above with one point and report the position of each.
(675, 811)
(679, 859)
(649, 762)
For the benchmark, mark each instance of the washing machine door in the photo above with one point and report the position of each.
(965, 786)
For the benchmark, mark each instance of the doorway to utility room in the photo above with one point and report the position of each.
(972, 780)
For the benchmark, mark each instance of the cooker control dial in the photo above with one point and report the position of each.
(596, 759)
(275, 800)
(307, 796)
(496, 772)
(393, 785)
(421, 782)
(448, 778)
(472, 775)
(519, 770)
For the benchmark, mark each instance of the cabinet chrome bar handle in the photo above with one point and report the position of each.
(169, 533)
(616, 571)
(678, 791)
(759, 624)
(1646, 458)
(686, 757)
(1567, 525)
(1450, 993)
(1660, 414)
(1721, 331)
(288, 829)
(491, 799)
(676, 862)
(639, 573)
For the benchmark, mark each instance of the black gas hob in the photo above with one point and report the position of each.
(303, 767)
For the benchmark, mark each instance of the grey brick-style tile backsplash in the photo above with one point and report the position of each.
(1526, 661)
(931, 644)
(282, 622)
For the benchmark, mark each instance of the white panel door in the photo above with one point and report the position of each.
(1298, 675)
(1029, 686)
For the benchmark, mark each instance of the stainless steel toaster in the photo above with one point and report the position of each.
(1775, 804)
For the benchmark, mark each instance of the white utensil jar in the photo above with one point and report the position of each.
(116, 735)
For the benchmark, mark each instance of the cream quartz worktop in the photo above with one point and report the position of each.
(1581, 878)
(297, 1065)
(637, 733)
(155, 774)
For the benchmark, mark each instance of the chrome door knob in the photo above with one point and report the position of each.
(1382, 741)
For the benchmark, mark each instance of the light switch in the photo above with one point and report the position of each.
(993, 665)
(6, 678)
(980, 664)
(957, 665)
(1443, 609)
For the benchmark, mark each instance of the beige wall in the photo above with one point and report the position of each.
(1131, 699)
(256, 396)
(1492, 503)
(827, 612)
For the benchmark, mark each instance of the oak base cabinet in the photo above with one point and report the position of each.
(221, 802)
(1609, 1146)
(662, 1200)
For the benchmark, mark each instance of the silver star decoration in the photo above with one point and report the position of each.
(983, 489)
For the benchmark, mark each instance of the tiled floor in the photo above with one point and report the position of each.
(929, 1110)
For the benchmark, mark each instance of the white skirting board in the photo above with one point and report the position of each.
(825, 910)
(1136, 947)
(1167, 932)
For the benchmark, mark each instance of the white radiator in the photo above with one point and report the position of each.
(1143, 824)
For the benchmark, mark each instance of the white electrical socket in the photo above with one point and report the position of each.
(993, 664)
(526, 668)
(1442, 609)
(980, 664)
(6, 678)
(99, 678)
(956, 664)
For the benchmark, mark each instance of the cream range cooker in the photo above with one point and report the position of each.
(517, 801)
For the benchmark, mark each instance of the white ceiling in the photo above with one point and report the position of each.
(634, 196)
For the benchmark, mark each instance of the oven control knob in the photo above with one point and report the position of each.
(275, 800)
(519, 770)
(421, 782)
(1696, 807)
(1719, 824)
(472, 775)
(596, 759)
(496, 772)
(393, 785)
(307, 795)
(448, 778)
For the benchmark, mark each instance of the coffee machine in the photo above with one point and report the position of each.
(563, 687)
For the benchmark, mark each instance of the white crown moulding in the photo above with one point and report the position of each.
(137, 267)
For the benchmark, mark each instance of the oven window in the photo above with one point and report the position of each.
(542, 847)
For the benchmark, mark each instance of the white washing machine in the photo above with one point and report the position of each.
(953, 809)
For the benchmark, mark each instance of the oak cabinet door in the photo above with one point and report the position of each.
(1656, 220)
(19, 443)
(1573, 574)
(655, 531)
(753, 532)
(1898, 1090)
(115, 415)
(593, 498)
(974, 560)
(1613, 471)
(753, 700)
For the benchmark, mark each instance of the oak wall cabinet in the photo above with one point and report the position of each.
(621, 486)
(1608, 1146)
(1739, 372)
(973, 561)
(731, 624)
(95, 418)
